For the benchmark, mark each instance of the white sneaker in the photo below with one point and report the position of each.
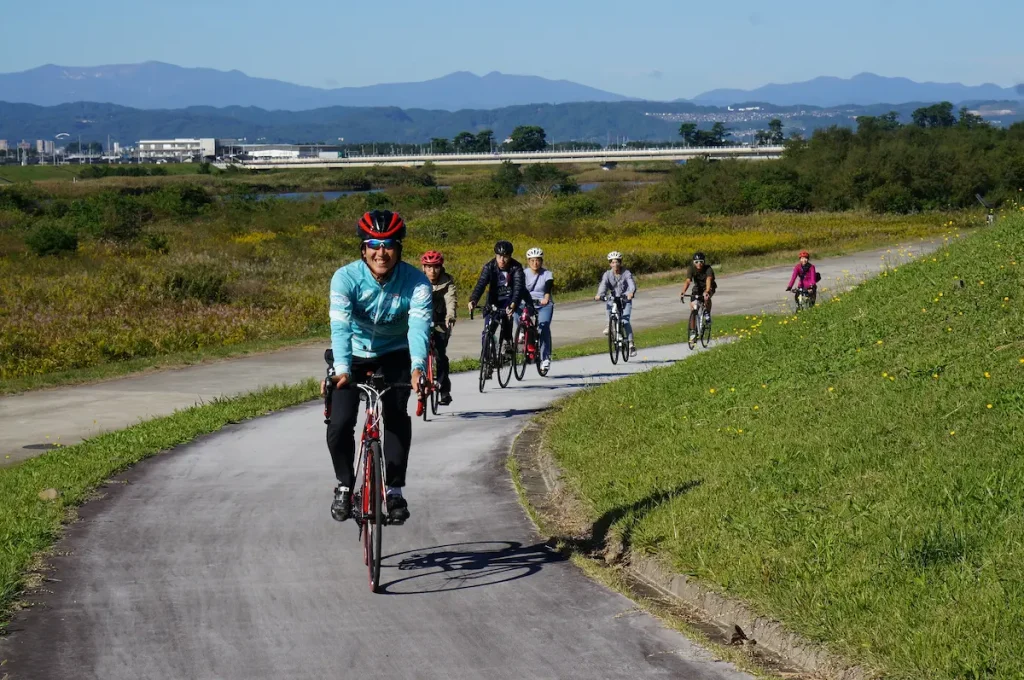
(605, 331)
(545, 365)
(632, 350)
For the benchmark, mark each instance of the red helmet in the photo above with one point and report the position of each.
(432, 257)
(804, 253)
(381, 224)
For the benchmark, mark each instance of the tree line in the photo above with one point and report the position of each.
(940, 160)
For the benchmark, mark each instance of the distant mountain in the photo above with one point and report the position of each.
(863, 89)
(600, 122)
(156, 85)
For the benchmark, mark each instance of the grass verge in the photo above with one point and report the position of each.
(855, 472)
(29, 523)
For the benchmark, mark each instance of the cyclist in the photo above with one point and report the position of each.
(539, 284)
(618, 282)
(503, 278)
(380, 311)
(807, 275)
(446, 303)
(704, 285)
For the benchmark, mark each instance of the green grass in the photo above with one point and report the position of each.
(855, 472)
(29, 525)
(36, 173)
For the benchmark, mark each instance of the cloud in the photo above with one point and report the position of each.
(330, 82)
(656, 74)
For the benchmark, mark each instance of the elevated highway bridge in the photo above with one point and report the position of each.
(602, 156)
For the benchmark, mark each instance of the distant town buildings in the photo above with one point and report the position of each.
(44, 146)
(3, 145)
(177, 149)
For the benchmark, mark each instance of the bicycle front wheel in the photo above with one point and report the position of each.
(705, 333)
(613, 340)
(520, 357)
(485, 360)
(376, 525)
(623, 341)
(506, 361)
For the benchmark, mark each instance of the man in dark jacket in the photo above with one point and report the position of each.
(503, 278)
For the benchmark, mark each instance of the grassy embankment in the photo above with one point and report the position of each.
(855, 472)
(172, 273)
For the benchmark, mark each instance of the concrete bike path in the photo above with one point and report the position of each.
(219, 560)
(32, 421)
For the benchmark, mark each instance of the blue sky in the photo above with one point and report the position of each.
(660, 49)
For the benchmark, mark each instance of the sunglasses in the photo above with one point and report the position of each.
(378, 243)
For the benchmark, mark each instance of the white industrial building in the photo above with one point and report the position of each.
(178, 149)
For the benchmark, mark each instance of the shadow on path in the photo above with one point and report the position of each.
(458, 566)
(507, 413)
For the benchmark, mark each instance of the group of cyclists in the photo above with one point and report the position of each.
(383, 311)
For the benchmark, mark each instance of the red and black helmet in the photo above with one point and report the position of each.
(804, 253)
(432, 257)
(381, 224)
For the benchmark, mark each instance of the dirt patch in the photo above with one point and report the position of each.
(728, 626)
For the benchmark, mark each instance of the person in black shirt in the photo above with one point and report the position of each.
(702, 276)
(503, 278)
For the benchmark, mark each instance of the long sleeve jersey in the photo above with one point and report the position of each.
(369, 319)
(807, 278)
(620, 285)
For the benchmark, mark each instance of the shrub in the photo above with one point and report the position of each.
(507, 179)
(567, 208)
(51, 238)
(197, 282)
(157, 242)
(891, 198)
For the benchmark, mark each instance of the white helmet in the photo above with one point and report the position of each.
(615, 255)
(534, 252)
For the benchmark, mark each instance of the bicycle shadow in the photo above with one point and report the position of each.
(460, 566)
(507, 413)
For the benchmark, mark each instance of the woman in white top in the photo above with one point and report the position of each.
(539, 285)
(618, 282)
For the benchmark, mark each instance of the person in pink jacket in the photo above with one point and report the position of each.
(807, 276)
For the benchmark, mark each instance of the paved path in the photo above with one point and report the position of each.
(31, 421)
(219, 560)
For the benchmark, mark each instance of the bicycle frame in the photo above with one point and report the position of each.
(372, 431)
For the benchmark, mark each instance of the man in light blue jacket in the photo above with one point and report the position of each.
(380, 311)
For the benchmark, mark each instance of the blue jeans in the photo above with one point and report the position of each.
(544, 329)
(627, 309)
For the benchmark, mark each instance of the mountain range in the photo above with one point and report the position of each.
(156, 85)
(863, 89)
(601, 122)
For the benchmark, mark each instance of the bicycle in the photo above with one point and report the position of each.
(702, 322)
(618, 340)
(500, 357)
(527, 346)
(430, 380)
(369, 502)
(803, 298)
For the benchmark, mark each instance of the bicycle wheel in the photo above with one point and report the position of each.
(434, 396)
(520, 358)
(613, 341)
(623, 341)
(377, 520)
(506, 361)
(485, 360)
(705, 333)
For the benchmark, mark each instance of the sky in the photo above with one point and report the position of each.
(654, 49)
